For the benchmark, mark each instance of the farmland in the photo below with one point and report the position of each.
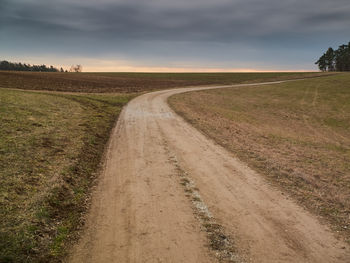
(54, 130)
(131, 82)
(296, 134)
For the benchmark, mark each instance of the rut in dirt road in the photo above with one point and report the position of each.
(144, 211)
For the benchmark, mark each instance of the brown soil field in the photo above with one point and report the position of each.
(297, 134)
(131, 82)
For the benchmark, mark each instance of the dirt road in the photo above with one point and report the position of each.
(165, 188)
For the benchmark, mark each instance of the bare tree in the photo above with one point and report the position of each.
(76, 68)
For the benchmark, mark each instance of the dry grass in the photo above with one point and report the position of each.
(297, 134)
(50, 150)
(130, 82)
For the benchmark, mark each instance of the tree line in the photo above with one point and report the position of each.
(335, 60)
(6, 65)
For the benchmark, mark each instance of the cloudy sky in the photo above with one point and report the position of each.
(173, 35)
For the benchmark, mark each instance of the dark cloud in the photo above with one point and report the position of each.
(254, 23)
(224, 21)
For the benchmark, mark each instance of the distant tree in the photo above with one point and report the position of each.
(79, 68)
(61, 70)
(76, 68)
(330, 59)
(335, 60)
(342, 62)
(5, 65)
(321, 62)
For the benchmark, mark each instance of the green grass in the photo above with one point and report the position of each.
(297, 134)
(50, 150)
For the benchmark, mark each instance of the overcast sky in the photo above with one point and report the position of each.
(173, 35)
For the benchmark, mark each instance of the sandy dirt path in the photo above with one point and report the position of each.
(141, 212)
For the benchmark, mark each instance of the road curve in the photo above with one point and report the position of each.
(141, 212)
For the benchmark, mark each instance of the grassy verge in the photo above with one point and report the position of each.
(50, 151)
(297, 134)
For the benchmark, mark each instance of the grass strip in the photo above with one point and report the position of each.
(51, 147)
